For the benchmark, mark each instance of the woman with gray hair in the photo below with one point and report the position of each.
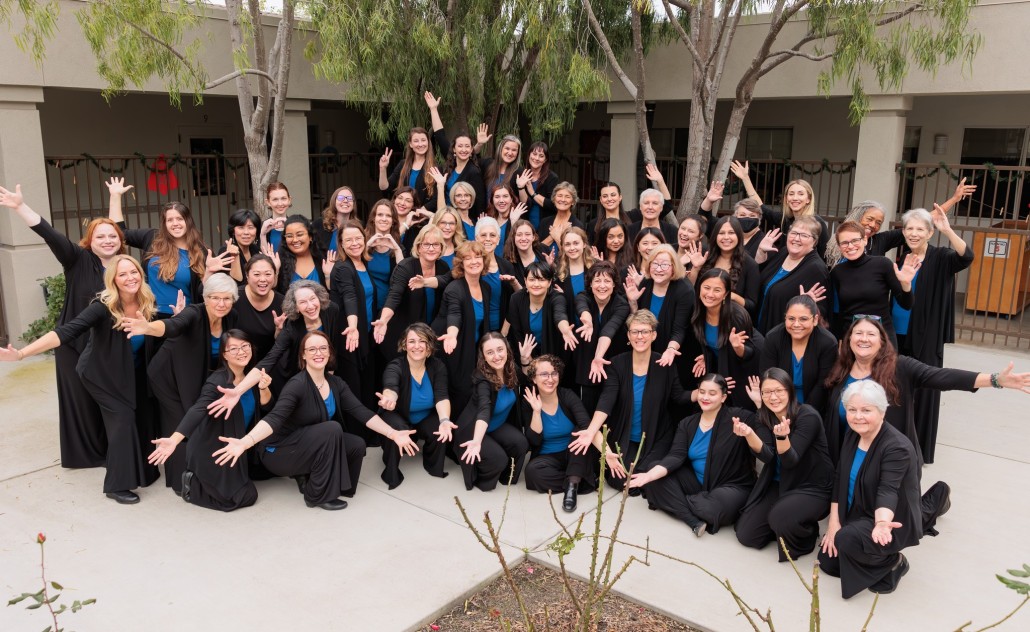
(559, 216)
(875, 508)
(190, 353)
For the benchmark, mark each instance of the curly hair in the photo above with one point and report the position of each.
(464, 251)
(424, 332)
(554, 361)
(290, 299)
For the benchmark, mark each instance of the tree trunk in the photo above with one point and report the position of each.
(732, 137)
(641, 80)
(699, 155)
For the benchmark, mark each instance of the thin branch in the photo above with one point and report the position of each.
(997, 623)
(872, 609)
(783, 546)
(683, 36)
(197, 74)
(237, 73)
(602, 40)
(797, 53)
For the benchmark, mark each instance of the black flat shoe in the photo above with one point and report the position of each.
(700, 529)
(568, 502)
(332, 505)
(187, 485)
(302, 481)
(123, 498)
(889, 584)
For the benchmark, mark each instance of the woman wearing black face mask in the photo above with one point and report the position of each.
(749, 214)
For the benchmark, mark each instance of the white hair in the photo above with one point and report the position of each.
(485, 221)
(646, 193)
(920, 214)
(221, 282)
(868, 390)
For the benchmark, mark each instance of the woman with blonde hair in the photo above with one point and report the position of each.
(449, 220)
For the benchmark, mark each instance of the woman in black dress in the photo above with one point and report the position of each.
(539, 311)
(80, 424)
(793, 491)
(489, 428)
(802, 348)
(303, 436)
(243, 242)
(113, 369)
(727, 253)
(259, 311)
(204, 483)
(553, 414)
(602, 313)
(709, 470)
(875, 509)
(414, 399)
(793, 270)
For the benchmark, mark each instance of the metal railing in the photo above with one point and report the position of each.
(1003, 192)
(359, 171)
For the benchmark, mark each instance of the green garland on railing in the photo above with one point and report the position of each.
(971, 177)
(170, 161)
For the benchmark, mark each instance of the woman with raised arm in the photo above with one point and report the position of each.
(190, 353)
(539, 311)
(523, 248)
(875, 510)
(243, 242)
(300, 257)
(537, 182)
(80, 424)
(793, 491)
(413, 171)
(204, 483)
(415, 293)
(602, 313)
(692, 240)
(866, 285)
(634, 404)
(709, 470)
(727, 253)
(339, 211)
(259, 311)
(459, 166)
(414, 398)
(277, 197)
(502, 207)
(787, 273)
(498, 273)
(490, 428)
(449, 222)
(112, 369)
(506, 162)
(798, 201)
(803, 348)
(558, 216)
(664, 292)
(613, 246)
(553, 413)
(923, 330)
(303, 436)
(610, 198)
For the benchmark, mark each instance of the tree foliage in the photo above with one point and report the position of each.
(37, 21)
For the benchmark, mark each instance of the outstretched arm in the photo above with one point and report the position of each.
(15, 201)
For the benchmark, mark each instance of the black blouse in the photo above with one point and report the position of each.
(820, 355)
(260, 325)
(608, 323)
(106, 362)
(182, 365)
(729, 462)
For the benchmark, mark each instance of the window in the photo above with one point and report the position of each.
(764, 143)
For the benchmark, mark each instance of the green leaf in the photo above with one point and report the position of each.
(23, 597)
(33, 606)
(57, 586)
(48, 628)
(1020, 587)
(1019, 573)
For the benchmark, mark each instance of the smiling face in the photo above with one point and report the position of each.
(661, 268)
(615, 240)
(865, 340)
(297, 238)
(462, 200)
(419, 143)
(602, 287)
(473, 265)
(871, 221)
(651, 207)
(245, 235)
(509, 152)
(105, 242)
(344, 202)
(496, 354)
(127, 277)
(797, 198)
(688, 232)
(489, 237)
(416, 348)
(775, 396)
(572, 246)
(648, 243)
(430, 248)
(404, 202)
(524, 238)
(800, 241)
(448, 225)
(279, 201)
(546, 377)
(536, 158)
(917, 234)
(863, 417)
(641, 337)
(175, 224)
(852, 244)
(799, 322)
(610, 199)
(727, 238)
(537, 286)
(383, 219)
(308, 304)
(710, 396)
(502, 201)
(218, 304)
(316, 352)
(463, 148)
(238, 353)
(563, 200)
(261, 278)
(353, 243)
(713, 292)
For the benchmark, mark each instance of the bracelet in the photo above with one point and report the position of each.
(445, 419)
(782, 437)
(994, 381)
(252, 442)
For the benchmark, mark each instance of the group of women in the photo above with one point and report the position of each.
(473, 317)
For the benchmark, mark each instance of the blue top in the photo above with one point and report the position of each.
(900, 314)
(477, 309)
(312, 276)
(470, 231)
(452, 177)
(636, 426)
(332, 241)
(557, 431)
(370, 295)
(248, 405)
(798, 367)
(137, 344)
(493, 279)
(216, 344)
(780, 274)
(533, 215)
(776, 474)
(448, 259)
(167, 292)
(577, 283)
(856, 465)
(536, 324)
(275, 239)
(656, 309)
(413, 178)
(330, 405)
(698, 453)
(503, 405)
(421, 402)
(499, 250)
(430, 303)
(712, 337)
(843, 413)
(379, 270)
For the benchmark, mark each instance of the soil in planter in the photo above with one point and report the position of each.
(543, 588)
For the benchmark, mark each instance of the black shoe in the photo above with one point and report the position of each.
(123, 497)
(332, 505)
(187, 485)
(889, 584)
(302, 481)
(568, 502)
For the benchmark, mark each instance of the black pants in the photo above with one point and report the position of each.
(358, 372)
(860, 563)
(433, 450)
(81, 425)
(330, 457)
(551, 472)
(679, 494)
(201, 496)
(793, 516)
(499, 450)
(128, 443)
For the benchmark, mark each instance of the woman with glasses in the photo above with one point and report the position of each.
(788, 272)
(498, 273)
(793, 491)
(803, 348)
(538, 312)
(866, 285)
(414, 399)
(205, 484)
(448, 221)
(338, 212)
(302, 437)
(708, 472)
(191, 351)
(634, 404)
(664, 292)
(727, 253)
(554, 414)
(602, 313)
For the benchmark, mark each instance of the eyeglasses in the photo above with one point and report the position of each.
(800, 235)
(238, 350)
(428, 245)
(640, 333)
(867, 316)
(778, 392)
(851, 242)
(322, 349)
(219, 299)
(344, 198)
(553, 375)
(660, 265)
(448, 224)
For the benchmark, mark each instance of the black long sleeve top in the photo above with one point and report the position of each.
(397, 378)
(729, 462)
(866, 286)
(554, 312)
(772, 303)
(179, 369)
(300, 404)
(608, 323)
(106, 362)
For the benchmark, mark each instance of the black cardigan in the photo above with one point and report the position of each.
(471, 174)
(349, 294)
(730, 462)
(677, 309)
(409, 306)
(773, 218)
(300, 404)
(726, 362)
(570, 403)
(143, 238)
(612, 320)
(484, 397)
(397, 378)
(932, 322)
(772, 304)
(285, 353)
(183, 363)
(457, 311)
(554, 312)
(106, 363)
(820, 355)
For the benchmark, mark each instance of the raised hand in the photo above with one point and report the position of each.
(597, 372)
(737, 338)
(483, 134)
(437, 176)
(278, 319)
(963, 190)
(11, 199)
(265, 380)
(218, 263)
(594, 253)
(782, 429)
(740, 428)
(180, 303)
(517, 212)
(754, 389)
(532, 398)
(739, 170)
(117, 186)
(653, 174)
(768, 243)
(526, 347)
(231, 248)
(524, 178)
(817, 292)
(696, 255)
(384, 160)
(633, 291)
(908, 270)
(715, 191)
(940, 219)
(431, 101)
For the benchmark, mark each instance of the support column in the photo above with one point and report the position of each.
(23, 257)
(294, 170)
(624, 149)
(881, 139)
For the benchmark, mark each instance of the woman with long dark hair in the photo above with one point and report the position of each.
(803, 348)
(612, 245)
(644, 244)
(459, 167)
(727, 253)
(506, 162)
(537, 181)
(243, 241)
(610, 198)
(300, 257)
(414, 170)
(523, 248)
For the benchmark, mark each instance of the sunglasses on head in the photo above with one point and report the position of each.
(866, 316)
